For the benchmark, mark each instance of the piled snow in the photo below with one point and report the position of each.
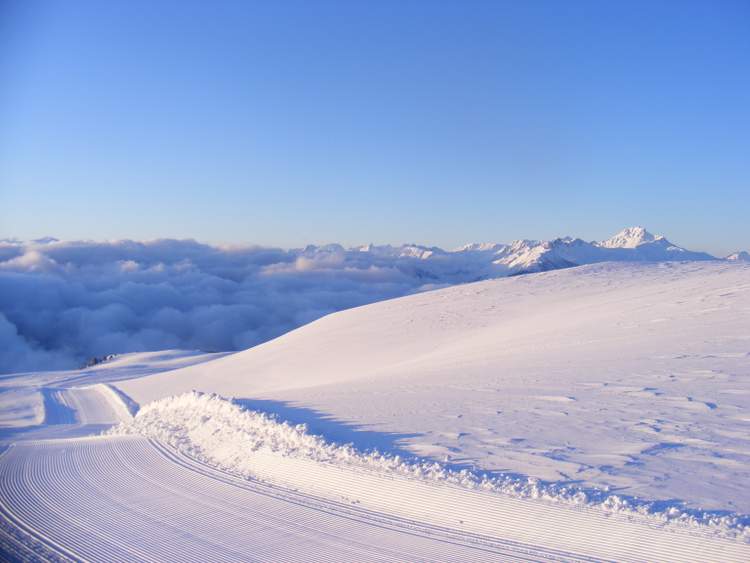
(62, 302)
(214, 430)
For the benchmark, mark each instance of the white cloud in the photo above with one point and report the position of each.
(63, 302)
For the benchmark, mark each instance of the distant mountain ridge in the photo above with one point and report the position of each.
(741, 256)
(477, 261)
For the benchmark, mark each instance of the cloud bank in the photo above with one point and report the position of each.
(64, 302)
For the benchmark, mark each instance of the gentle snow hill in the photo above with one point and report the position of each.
(630, 376)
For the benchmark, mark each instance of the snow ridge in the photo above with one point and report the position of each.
(219, 432)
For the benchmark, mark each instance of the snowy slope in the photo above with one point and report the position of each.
(603, 375)
(200, 478)
(133, 499)
(126, 499)
(29, 402)
(609, 381)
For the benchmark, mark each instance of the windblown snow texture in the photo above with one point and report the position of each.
(213, 429)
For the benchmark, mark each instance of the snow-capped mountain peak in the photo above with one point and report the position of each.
(630, 238)
(631, 244)
(480, 247)
(741, 256)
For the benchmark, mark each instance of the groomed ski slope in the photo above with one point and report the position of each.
(128, 499)
(632, 378)
(132, 498)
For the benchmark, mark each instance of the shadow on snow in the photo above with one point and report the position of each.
(392, 443)
(331, 429)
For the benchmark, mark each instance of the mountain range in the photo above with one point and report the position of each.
(479, 261)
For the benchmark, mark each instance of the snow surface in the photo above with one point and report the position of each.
(204, 479)
(591, 413)
(213, 429)
(605, 376)
(45, 403)
(125, 499)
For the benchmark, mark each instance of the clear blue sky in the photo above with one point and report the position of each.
(284, 123)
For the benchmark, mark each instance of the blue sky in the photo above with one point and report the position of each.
(284, 123)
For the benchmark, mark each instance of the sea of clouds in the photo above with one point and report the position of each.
(64, 302)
